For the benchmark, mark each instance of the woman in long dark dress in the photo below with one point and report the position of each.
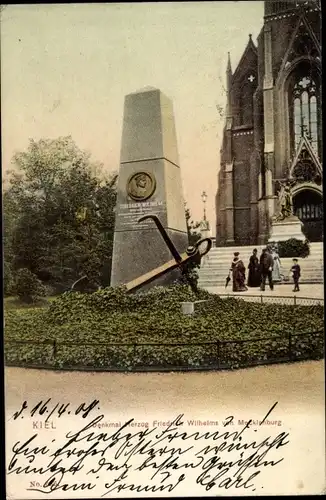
(238, 274)
(254, 271)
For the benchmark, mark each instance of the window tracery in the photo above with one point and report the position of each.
(305, 119)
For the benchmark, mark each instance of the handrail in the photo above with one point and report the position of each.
(218, 359)
(270, 297)
(169, 344)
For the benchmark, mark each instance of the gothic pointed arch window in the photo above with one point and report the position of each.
(305, 115)
(305, 111)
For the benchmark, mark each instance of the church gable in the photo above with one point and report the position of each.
(247, 64)
(244, 84)
(303, 43)
(305, 166)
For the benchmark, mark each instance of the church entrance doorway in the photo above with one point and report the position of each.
(308, 206)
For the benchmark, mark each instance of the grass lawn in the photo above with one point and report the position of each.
(11, 303)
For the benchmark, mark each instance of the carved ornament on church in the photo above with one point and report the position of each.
(306, 171)
(303, 45)
(141, 186)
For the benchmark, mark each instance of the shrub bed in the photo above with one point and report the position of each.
(293, 248)
(91, 323)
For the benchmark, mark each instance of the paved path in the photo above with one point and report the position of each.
(298, 384)
(310, 291)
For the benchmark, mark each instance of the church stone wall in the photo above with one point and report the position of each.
(219, 210)
(260, 61)
(241, 179)
(235, 102)
(243, 147)
(242, 224)
(282, 154)
(280, 43)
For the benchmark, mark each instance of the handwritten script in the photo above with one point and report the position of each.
(142, 460)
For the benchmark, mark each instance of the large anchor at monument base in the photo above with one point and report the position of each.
(192, 254)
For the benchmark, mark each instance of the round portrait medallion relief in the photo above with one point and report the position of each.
(141, 186)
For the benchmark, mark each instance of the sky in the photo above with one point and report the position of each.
(66, 68)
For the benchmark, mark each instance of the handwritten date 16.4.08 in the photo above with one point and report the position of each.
(48, 408)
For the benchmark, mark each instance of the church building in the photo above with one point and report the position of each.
(273, 128)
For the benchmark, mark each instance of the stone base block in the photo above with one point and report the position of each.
(287, 229)
(137, 252)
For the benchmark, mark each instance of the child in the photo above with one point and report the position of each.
(296, 275)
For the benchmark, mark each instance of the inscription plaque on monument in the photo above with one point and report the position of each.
(130, 213)
(149, 182)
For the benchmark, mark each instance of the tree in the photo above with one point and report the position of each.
(190, 271)
(27, 287)
(8, 211)
(8, 282)
(192, 228)
(62, 213)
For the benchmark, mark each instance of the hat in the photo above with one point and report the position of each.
(255, 250)
(236, 254)
(191, 250)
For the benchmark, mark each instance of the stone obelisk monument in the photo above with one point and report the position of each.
(149, 182)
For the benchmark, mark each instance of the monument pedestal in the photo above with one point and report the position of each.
(149, 182)
(205, 233)
(291, 227)
(205, 230)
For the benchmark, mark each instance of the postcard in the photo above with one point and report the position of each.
(163, 249)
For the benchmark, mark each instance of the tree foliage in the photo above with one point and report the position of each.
(59, 215)
(28, 287)
(192, 228)
(190, 273)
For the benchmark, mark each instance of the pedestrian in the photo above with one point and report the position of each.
(254, 270)
(266, 269)
(276, 273)
(238, 274)
(296, 273)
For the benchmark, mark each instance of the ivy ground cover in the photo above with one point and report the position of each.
(110, 329)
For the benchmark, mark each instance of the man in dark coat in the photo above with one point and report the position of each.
(266, 267)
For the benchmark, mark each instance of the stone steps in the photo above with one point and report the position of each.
(215, 253)
(215, 266)
(285, 268)
(218, 282)
(221, 282)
